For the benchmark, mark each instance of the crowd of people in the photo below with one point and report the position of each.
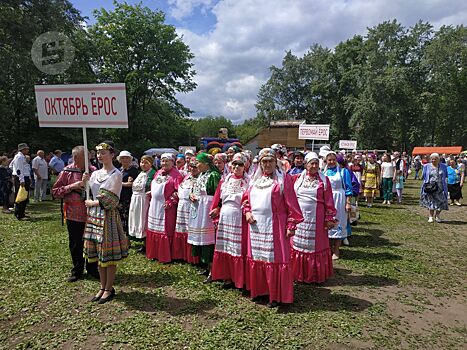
(255, 223)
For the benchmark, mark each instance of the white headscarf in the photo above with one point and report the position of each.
(278, 174)
(168, 156)
(309, 157)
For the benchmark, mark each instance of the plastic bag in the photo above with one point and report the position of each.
(22, 195)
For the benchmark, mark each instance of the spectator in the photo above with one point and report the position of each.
(5, 184)
(434, 192)
(21, 171)
(56, 164)
(41, 174)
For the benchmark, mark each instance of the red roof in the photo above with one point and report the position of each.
(439, 150)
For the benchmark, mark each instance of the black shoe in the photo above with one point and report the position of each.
(227, 285)
(272, 304)
(96, 298)
(208, 280)
(73, 278)
(110, 297)
(203, 273)
(142, 250)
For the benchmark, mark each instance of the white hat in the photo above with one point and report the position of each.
(124, 154)
(323, 151)
(168, 156)
(311, 156)
(189, 151)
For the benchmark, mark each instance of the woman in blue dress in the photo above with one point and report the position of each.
(434, 191)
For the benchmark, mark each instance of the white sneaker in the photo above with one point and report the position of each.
(388, 202)
(335, 257)
(457, 203)
(430, 219)
(437, 219)
(384, 202)
(345, 241)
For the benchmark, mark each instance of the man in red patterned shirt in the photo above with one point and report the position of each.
(70, 187)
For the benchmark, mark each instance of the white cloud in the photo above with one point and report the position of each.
(233, 59)
(183, 8)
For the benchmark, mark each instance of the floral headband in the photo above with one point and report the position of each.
(104, 146)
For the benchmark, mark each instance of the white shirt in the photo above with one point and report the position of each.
(20, 166)
(387, 170)
(41, 166)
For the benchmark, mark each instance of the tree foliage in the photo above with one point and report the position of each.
(393, 88)
(130, 44)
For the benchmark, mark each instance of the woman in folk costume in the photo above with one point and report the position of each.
(220, 161)
(104, 238)
(139, 205)
(201, 233)
(180, 247)
(229, 254)
(341, 184)
(162, 212)
(371, 179)
(311, 254)
(272, 212)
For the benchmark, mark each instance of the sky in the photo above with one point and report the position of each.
(236, 41)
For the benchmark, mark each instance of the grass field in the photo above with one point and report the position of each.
(401, 284)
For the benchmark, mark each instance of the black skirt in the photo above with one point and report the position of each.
(455, 191)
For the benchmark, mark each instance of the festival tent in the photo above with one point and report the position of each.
(439, 150)
(159, 151)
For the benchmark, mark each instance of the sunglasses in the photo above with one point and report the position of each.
(238, 163)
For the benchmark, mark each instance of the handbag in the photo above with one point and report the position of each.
(430, 187)
(22, 195)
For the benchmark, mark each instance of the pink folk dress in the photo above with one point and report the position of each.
(161, 221)
(274, 205)
(311, 255)
(230, 249)
(180, 247)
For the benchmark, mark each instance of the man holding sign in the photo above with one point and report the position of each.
(70, 187)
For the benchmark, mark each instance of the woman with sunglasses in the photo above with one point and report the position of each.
(311, 254)
(229, 253)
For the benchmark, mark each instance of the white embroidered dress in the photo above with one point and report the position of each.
(229, 230)
(200, 225)
(139, 206)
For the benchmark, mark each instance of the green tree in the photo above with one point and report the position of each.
(132, 44)
(21, 22)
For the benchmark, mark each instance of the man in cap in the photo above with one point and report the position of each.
(21, 174)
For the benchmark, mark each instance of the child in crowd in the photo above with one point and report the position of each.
(399, 181)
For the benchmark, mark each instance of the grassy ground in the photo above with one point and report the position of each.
(401, 284)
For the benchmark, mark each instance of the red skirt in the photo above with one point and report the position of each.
(228, 267)
(311, 267)
(158, 246)
(181, 250)
(273, 279)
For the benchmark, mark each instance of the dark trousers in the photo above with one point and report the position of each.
(20, 208)
(76, 244)
(387, 188)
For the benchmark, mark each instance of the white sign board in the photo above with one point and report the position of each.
(313, 132)
(348, 144)
(82, 106)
